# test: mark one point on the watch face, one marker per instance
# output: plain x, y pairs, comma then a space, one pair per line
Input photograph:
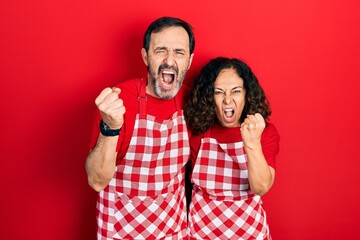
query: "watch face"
106, 127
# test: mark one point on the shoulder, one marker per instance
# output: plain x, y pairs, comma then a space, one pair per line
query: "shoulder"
130, 85
270, 143
270, 139
183, 94
129, 91
270, 130
195, 141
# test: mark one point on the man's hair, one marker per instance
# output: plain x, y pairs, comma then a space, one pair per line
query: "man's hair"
200, 109
164, 22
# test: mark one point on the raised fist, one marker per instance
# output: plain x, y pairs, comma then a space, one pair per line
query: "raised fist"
111, 107
251, 130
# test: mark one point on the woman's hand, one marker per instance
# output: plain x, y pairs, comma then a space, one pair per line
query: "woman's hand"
251, 130
261, 175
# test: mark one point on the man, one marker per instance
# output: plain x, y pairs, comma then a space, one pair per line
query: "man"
140, 142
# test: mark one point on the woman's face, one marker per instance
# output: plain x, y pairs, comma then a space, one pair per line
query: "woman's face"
229, 97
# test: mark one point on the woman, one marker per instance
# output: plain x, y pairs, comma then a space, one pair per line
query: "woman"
233, 151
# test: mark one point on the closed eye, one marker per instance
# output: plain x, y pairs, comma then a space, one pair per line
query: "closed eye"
180, 52
236, 91
160, 50
217, 92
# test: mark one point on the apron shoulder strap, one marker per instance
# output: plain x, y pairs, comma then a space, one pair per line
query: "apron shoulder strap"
142, 98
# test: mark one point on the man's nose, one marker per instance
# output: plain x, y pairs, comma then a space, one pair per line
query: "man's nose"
170, 59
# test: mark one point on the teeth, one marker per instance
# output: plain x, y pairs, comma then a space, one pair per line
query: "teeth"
229, 113
168, 77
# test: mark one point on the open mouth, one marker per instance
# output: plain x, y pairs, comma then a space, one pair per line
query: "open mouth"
168, 79
229, 113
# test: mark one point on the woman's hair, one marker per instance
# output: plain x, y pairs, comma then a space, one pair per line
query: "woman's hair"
200, 108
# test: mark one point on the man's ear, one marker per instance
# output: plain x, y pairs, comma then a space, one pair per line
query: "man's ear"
191, 58
144, 56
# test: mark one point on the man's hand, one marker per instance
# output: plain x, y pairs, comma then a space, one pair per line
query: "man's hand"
251, 130
111, 107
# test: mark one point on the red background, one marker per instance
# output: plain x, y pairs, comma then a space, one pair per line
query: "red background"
55, 57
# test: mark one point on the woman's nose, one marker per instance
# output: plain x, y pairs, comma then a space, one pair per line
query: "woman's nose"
227, 99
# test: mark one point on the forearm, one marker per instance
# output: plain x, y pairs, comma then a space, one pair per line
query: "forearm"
261, 175
101, 161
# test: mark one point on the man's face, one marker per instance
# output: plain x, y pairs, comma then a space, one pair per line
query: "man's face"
168, 60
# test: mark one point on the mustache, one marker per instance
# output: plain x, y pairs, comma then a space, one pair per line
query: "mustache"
166, 66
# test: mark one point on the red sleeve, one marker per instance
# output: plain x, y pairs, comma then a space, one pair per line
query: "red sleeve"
270, 144
95, 129
129, 96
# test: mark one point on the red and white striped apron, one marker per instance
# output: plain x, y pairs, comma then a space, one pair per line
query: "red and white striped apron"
146, 197
223, 206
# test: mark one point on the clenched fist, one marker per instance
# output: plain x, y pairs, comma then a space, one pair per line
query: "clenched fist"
251, 130
111, 107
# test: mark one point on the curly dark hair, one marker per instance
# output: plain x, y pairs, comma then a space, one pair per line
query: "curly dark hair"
200, 108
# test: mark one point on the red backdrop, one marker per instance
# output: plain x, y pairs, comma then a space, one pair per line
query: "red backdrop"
55, 57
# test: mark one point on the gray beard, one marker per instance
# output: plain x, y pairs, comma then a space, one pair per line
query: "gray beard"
159, 92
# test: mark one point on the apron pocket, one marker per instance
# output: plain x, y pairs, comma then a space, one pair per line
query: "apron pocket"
209, 218
146, 217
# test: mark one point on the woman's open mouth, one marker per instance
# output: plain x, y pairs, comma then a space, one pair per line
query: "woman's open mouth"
229, 113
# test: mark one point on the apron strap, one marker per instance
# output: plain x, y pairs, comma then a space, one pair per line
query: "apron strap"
176, 106
142, 98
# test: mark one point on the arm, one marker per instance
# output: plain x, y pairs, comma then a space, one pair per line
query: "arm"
261, 175
101, 160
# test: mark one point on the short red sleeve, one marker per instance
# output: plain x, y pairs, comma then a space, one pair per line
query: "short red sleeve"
270, 144
95, 129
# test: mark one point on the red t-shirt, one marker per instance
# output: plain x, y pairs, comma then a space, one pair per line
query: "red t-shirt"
160, 108
269, 141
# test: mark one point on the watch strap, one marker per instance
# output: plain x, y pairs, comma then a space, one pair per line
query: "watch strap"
107, 131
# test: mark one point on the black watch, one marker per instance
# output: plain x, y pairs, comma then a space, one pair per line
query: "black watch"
106, 131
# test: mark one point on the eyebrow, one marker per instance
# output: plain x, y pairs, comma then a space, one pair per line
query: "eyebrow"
176, 49
231, 89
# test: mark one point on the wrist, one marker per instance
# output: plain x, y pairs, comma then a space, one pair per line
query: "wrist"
253, 146
107, 131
